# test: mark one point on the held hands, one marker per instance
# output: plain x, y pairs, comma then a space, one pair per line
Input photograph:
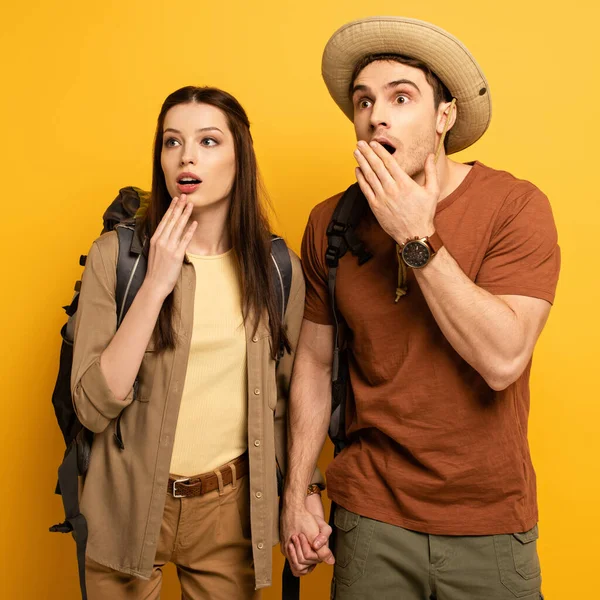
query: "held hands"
403, 208
168, 246
298, 526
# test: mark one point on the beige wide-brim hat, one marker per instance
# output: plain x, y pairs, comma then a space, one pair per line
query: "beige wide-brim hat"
446, 56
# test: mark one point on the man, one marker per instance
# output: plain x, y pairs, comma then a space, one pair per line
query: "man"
435, 493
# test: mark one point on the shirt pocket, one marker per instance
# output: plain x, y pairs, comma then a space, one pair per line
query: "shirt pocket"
145, 379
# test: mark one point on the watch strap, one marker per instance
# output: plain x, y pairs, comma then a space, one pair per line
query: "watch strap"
435, 242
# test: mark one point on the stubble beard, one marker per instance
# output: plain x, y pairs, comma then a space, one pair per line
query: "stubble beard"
412, 160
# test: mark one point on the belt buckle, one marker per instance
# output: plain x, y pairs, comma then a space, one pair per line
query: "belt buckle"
182, 480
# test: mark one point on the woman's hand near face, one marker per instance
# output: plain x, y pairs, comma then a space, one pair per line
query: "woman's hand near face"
168, 246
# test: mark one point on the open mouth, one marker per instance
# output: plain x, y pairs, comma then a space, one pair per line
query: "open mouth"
389, 148
188, 181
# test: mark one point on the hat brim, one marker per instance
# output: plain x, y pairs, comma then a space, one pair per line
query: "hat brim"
446, 56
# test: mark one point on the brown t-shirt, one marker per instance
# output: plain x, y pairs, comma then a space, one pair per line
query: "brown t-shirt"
434, 448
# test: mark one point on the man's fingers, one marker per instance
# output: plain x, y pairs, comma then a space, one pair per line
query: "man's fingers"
367, 171
326, 555
320, 541
387, 169
431, 177
399, 175
310, 556
366, 189
324, 533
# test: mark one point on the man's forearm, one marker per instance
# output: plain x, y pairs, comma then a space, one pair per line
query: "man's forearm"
309, 413
481, 327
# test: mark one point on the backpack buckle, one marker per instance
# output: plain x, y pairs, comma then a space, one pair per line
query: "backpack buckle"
336, 228
332, 257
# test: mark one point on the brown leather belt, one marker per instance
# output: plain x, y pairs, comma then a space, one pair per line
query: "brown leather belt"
187, 487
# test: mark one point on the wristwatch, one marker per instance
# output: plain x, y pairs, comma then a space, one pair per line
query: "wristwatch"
417, 252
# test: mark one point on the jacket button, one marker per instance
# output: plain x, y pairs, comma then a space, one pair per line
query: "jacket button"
259, 494
257, 392
255, 339
257, 443
260, 545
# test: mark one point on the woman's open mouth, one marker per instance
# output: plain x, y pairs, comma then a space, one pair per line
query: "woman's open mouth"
188, 183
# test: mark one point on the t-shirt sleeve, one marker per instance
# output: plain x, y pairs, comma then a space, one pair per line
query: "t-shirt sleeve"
523, 257
317, 307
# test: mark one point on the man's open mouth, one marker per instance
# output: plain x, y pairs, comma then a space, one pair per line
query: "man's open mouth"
383, 141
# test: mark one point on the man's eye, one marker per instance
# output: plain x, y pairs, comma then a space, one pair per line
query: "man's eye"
401, 99
364, 103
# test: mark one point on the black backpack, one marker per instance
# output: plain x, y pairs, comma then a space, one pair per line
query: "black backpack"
341, 236
131, 270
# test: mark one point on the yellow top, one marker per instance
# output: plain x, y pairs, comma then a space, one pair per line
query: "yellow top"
212, 422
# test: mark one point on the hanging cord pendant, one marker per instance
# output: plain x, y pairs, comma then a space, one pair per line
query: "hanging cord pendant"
402, 288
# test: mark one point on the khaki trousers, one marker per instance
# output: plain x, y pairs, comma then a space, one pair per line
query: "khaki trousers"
208, 539
378, 561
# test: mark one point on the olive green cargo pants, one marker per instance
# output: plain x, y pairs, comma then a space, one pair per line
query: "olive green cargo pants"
377, 561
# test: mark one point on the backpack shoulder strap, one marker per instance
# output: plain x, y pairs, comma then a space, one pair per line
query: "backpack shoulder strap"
341, 236
131, 268
282, 278
282, 272
341, 231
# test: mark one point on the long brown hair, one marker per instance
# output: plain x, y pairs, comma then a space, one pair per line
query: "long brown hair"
247, 221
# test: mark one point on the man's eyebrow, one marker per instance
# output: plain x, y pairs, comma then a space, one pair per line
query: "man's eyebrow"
360, 88
171, 130
391, 84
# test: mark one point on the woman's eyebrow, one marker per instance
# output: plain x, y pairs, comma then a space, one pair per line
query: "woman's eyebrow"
171, 130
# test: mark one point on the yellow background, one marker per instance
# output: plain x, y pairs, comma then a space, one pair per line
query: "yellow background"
82, 84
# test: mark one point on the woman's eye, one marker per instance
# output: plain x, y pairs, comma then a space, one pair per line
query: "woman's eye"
171, 142
209, 142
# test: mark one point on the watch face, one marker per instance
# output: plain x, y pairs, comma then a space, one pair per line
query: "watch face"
416, 254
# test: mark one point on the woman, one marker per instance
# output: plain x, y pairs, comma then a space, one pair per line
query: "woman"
187, 384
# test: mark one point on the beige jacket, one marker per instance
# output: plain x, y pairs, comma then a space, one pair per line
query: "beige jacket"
124, 491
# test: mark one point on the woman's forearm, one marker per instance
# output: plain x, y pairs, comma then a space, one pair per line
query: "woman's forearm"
121, 360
